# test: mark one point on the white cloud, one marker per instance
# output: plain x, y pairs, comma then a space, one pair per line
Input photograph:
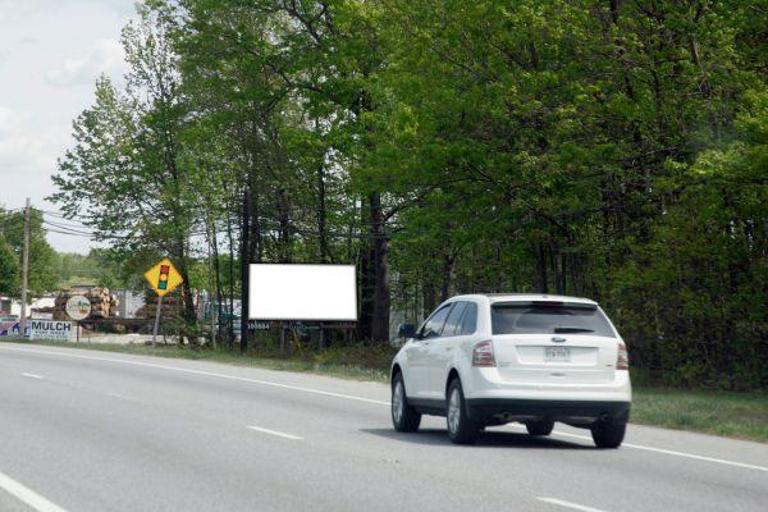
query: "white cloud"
7, 121
106, 57
51, 52
16, 146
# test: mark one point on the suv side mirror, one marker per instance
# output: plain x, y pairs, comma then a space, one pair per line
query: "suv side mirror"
406, 331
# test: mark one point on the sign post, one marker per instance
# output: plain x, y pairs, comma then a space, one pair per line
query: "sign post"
163, 278
157, 319
78, 308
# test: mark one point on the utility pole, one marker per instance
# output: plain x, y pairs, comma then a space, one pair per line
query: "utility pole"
25, 270
245, 269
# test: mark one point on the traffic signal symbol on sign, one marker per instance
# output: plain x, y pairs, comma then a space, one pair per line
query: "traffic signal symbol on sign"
163, 277
162, 282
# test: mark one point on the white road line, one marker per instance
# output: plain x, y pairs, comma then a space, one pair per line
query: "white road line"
32, 376
122, 397
27, 495
275, 433
568, 504
201, 372
352, 397
666, 452
673, 452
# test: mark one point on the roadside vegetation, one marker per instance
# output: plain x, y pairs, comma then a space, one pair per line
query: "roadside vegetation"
739, 415
613, 150
729, 414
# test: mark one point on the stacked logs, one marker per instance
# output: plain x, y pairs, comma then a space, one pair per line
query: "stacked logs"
172, 306
103, 304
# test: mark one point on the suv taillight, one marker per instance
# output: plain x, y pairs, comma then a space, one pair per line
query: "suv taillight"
622, 359
482, 354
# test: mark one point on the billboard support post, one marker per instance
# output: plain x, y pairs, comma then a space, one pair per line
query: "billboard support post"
244, 270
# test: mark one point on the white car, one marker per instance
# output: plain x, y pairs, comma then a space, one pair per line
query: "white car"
484, 360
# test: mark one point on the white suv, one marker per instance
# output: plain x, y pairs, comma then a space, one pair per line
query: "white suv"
483, 360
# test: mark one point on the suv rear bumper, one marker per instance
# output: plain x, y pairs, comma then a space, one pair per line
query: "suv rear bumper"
484, 409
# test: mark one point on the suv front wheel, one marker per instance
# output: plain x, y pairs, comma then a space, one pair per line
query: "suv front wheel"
461, 429
404, 417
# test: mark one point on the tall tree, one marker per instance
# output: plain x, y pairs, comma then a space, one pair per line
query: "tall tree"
42, 277
123, 177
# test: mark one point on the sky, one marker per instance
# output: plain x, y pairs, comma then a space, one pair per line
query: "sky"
51, 52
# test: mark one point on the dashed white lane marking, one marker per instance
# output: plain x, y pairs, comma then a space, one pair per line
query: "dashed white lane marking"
568, 504
275, 433
356, 398
27, 495
32, 376
122, 397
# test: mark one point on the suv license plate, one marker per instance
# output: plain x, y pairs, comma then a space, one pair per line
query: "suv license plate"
557, 354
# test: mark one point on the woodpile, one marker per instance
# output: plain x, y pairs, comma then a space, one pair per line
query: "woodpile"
103, 304
172, 306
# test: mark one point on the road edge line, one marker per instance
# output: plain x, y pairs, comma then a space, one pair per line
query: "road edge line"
568, 504
27, 495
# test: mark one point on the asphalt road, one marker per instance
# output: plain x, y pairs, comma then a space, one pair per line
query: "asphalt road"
97, 431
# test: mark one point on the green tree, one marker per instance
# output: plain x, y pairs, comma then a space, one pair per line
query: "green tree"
123, 177
9, 270
592, 147
41, 277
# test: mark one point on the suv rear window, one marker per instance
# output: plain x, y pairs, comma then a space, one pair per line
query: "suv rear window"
549, 318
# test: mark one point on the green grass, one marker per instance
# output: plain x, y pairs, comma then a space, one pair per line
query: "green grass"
736, 415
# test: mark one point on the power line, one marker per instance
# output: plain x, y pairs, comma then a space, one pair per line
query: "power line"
90, 236
51, 212
74, 229
58, 215
71, 222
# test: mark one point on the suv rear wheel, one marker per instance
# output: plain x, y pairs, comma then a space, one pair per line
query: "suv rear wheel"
608, 435
540, 428
404, 417
461, 429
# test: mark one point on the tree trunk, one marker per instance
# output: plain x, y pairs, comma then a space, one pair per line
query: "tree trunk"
284, 236
428, 295
217, 278
230, 315
541, 266
255, 250
321, 214
186, 292
366, 277
448, 267
381, 292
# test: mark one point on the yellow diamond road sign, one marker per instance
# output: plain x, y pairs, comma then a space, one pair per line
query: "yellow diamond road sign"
163, 277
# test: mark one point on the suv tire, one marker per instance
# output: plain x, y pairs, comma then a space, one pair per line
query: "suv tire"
404, 417
608, 435
540, 428
461, 429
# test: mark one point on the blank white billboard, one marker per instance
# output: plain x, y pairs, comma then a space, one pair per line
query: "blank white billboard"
302, 292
